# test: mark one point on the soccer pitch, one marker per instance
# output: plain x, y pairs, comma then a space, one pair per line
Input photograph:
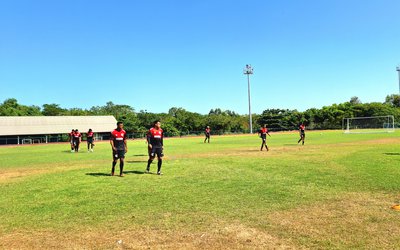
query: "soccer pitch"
336, 191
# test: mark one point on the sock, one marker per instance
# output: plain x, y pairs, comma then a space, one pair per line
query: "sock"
113, 166
159, 163
121, 167
148, 164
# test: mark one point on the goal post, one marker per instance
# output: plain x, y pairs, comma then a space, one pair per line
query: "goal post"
373, 124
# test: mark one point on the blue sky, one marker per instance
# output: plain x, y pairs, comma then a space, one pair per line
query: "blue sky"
154, 55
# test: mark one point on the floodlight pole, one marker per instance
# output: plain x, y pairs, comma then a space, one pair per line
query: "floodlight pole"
398, 70
249, 71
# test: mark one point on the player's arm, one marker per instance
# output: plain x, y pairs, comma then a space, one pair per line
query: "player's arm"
148, 137
162, 139
112, 142
126, 144
268, 134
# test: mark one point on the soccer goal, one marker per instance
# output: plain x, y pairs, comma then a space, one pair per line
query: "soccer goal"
374, 124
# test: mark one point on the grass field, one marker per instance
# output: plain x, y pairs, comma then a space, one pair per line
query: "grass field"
335, 192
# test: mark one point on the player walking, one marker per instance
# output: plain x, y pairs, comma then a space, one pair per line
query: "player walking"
90, 140
71, 140
77, 140
302, 128
207, 134
155, 138
119, 148
263, 132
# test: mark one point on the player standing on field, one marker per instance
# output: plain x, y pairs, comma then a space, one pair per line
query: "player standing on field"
207, 134
155, 138
263, 132
90, 139
71, 140
77, 140
302, 128
119, 148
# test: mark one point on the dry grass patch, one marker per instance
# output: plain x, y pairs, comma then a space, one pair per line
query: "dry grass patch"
354, 220
234, 236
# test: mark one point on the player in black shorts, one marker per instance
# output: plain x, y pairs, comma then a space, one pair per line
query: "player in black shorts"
263, 132
71, 140
90, 140
207, 134
302, 129
77, 140
155, 138
119, 147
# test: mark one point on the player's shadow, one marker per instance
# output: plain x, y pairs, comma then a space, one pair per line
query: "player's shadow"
136, 161
391, 153
134, 172
67, 151
140, 155
98, 174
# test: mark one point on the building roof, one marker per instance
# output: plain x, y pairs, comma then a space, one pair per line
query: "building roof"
46, 125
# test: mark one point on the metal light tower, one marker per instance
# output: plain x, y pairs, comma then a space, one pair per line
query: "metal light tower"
249, 71
398, 70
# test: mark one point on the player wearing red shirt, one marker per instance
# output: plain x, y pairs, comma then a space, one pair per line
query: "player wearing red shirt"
71, 140
90, 140
155, 140
302, 128
77, 137
263, 132
119, 148
207, 134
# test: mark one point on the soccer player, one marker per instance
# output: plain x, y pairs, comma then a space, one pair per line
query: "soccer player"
155, 138
77, 140
207, 134
302, 127
263, 132
71, 140
119, 148
90, 140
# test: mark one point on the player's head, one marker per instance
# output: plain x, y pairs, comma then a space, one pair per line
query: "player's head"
264, 126
73, 130
208, 126
120, 125
90, 130
76, 130
157, 124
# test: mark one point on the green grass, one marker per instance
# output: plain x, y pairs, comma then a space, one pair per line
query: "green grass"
207, 187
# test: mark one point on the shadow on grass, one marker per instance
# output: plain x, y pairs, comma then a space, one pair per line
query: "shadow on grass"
134, 172
98, 174
140, 155
391, 153
136, 161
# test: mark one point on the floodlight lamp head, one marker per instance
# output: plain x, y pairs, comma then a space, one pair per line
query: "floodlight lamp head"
248, 70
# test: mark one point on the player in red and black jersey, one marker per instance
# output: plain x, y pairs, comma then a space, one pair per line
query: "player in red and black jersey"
77, 137
90, 140
119, 147
302, 129
155, 140
207, 134
263, 132
71, 140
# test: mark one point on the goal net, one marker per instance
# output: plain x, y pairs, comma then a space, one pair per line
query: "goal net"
374, 124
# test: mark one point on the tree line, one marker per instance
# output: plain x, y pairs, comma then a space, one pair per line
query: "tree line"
179, 121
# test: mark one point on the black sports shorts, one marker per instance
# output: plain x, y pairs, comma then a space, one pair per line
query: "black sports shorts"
117, 154
156, 151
